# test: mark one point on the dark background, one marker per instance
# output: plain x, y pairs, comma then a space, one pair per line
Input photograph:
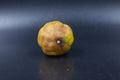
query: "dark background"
95, 54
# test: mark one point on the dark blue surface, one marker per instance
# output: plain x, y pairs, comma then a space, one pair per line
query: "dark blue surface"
95, 54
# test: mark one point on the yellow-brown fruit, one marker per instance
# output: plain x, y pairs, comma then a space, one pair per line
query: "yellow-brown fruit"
55, 38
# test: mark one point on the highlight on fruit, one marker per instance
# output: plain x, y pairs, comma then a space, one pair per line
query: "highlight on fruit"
55, 38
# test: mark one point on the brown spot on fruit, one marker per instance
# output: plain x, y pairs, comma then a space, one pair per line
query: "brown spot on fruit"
60, 42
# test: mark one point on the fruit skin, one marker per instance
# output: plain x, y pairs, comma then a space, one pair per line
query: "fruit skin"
55, 38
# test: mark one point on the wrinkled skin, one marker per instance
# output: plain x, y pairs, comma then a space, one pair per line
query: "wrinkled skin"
55, 38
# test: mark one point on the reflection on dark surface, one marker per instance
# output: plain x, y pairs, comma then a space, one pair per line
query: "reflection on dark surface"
56, 68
